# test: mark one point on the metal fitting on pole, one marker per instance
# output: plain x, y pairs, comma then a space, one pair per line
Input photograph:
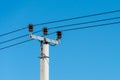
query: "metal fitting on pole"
45, 31
59, 35
30, 27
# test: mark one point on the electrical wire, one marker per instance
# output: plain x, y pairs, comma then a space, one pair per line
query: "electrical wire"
18, 37
62, 20
113, 23
16, 44
14, 39
94, 21
85, 27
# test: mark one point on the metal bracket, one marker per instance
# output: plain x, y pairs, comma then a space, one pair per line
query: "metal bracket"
44, 57
44, 39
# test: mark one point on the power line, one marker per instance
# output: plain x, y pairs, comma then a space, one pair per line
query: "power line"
14, 39
85, 27
91, 26
100, 20
62, 20
18, 37
80, 17
63, 31
4, 34
16, 44
61, 27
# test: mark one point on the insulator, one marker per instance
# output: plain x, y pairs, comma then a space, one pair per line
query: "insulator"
45, 31
30, 27
59, 34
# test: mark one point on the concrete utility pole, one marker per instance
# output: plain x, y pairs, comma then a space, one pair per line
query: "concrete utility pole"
44, 55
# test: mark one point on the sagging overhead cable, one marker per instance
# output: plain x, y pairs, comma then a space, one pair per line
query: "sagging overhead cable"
56, 27
62, 20
93, 26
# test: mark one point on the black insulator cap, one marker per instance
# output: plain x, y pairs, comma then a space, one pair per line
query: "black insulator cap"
30, 27
59, 34
45, 31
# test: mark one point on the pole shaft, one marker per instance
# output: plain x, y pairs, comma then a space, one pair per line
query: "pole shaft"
44, 62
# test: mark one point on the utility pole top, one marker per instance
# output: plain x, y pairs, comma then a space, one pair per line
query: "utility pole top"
44, 48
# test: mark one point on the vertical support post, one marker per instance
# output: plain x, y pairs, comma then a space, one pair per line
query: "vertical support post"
44, 61
44, 55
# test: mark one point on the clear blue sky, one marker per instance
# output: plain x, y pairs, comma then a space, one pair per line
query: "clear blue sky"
89, 54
